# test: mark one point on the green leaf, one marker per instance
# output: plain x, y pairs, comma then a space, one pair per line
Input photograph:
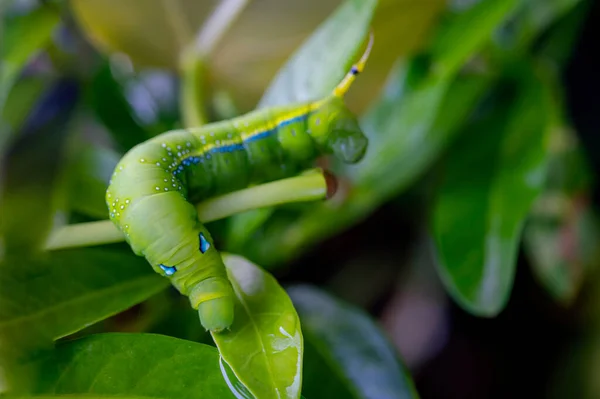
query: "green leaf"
178, 319
106, 97
70, 397
558, 44
31, 192
524, 29
321, 376
132, 365
240, 227
562, 232
59, 293
19, 103
264, 346
234, 384
538, 15
355, 359
336, 44
22, 37
410, 133
562, 245
408, 128
409, 138
89, 172
63, 292
472, 29
488, 185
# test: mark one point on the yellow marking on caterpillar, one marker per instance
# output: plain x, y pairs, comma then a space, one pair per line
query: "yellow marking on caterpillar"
285, 117
302, 110
357, 68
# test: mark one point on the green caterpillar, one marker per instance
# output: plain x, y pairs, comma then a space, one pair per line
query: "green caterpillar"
153, 188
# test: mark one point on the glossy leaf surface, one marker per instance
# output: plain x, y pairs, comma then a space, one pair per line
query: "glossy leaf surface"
489, 183
355, 359
63, 292
336, 43
132, 366
264, 347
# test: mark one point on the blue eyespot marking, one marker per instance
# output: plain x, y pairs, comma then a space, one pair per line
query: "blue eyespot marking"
169, 270
204, 244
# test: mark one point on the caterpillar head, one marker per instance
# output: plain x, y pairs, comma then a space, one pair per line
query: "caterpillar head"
341, 134
346, 139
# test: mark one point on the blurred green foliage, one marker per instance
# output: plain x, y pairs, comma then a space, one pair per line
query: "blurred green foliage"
463, 108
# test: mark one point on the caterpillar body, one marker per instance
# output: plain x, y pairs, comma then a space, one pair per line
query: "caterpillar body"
151, 194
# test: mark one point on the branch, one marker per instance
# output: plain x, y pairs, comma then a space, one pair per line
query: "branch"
311, 186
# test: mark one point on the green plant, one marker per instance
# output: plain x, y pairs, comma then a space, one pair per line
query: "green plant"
470, 120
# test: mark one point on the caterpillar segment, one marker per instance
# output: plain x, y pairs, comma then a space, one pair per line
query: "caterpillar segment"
153, 188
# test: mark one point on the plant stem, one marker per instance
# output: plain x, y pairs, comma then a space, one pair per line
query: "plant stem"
310, 186
193, 109
178, 22
83, 235
307, 187
217, 25
193, 61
